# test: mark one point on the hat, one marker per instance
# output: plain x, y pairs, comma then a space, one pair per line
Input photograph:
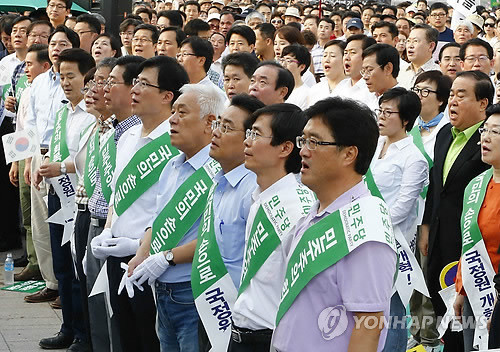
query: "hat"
411, 8
292, 11
354, 22
220, 2
245, 13
213, 16
204, 1
476, 20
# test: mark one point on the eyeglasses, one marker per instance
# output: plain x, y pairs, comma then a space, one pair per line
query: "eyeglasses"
254, 134
85, 90
56, 6
489, 25
41, 36
111, 83
484, 131
441, 14
482, 59
288, 61
311, 143
141, 40
183, 55
143, 84
423, 92
223, 128
386, 113
276, 21
83, 32
128, 34
368, 71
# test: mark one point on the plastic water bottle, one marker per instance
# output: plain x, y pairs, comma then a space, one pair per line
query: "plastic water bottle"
9, 270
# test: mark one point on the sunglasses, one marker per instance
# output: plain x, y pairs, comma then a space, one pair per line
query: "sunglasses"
489, 25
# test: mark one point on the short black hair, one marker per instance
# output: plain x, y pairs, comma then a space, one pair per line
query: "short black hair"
201, 48
493, 109
439, 5
84, 60
192, 2
408, 102
154, 31
313, 17
366, 41
391, 26
287, 122
247, 61
243, 30
42, 53
300, 53
39, 23
446, 46
6, 23
114, 41
351, 123
171, 75
131, 67
443, 84
179, 34
20, 19
285, 77
267, 30
394, 9
483, 87
352, 14
174, 17
73, 38
92, 21
340, 43
145, 10
431, 34
129, 22
196, 26
476, 42
327, 20
68, 3
384, 53
248, 103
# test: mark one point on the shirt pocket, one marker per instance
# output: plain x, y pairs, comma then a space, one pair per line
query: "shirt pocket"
232, 242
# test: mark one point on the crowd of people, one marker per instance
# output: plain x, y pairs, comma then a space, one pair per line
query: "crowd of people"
204, 181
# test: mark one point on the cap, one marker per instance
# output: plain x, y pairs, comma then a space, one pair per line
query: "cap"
476, 20
204, 1
354, 22
292, 11
411, 8
213, 16
220, 2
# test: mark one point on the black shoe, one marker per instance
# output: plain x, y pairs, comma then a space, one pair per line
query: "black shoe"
57, 342
21, 262
79, 346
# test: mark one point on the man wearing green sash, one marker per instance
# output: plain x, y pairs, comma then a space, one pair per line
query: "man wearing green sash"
341, 258
118, 101
71, 120
279, 201
223, 240
171, 236
141, 154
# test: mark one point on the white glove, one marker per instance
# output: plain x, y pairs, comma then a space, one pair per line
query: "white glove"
120, 246
150, 269
97, 244
126, 282
84, 262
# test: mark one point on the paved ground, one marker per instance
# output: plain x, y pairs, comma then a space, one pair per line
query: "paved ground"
23, 324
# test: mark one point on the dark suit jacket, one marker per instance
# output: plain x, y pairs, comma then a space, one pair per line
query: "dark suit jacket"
443, 207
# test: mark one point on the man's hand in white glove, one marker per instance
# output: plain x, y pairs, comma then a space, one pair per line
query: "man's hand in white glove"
84, 262
125, 282
150, 269
120, 246
97, 244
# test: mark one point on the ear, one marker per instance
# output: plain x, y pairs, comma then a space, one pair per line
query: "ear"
46, 66
462, 65
167, 98
269, 42
201, 60
433, 45
483, 104
350, 155
114, 52
286, 149
283, 91
301, 67
388, 69
492, 62
252, 46
208, 123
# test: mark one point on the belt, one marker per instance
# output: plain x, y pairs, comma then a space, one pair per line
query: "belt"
44, 151
96, 222
241, 335
82, 207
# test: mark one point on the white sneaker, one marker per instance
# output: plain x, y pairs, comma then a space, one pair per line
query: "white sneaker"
412, 343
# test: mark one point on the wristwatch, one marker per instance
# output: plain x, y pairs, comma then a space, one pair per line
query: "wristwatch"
169, 256
63, 168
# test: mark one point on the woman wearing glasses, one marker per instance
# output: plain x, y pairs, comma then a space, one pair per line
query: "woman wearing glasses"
400, 172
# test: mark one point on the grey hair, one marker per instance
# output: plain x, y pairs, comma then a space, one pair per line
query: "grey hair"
108, 62
255, 14
465, 23
211, 101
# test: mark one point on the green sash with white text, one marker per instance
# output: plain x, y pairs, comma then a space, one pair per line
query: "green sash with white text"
477, 270
21, 85
331, 239
90, 173
142, 171
213, 289
58, 147
183, 209
276, 216
417, 140
107, 162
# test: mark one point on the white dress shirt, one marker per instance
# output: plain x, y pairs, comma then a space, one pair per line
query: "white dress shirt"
408, 75
400, 176
134, 221
299, 97
257, 306
358, 92
308, 78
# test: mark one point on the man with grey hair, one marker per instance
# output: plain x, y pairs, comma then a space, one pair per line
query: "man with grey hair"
464, 30
173, 229
254, 18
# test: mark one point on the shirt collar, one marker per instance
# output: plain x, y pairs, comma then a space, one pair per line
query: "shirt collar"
275, 187
352, 194
196, 161
159, 130
234, 176
468, 132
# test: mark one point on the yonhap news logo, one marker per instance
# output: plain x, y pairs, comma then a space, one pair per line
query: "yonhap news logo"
332, 322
